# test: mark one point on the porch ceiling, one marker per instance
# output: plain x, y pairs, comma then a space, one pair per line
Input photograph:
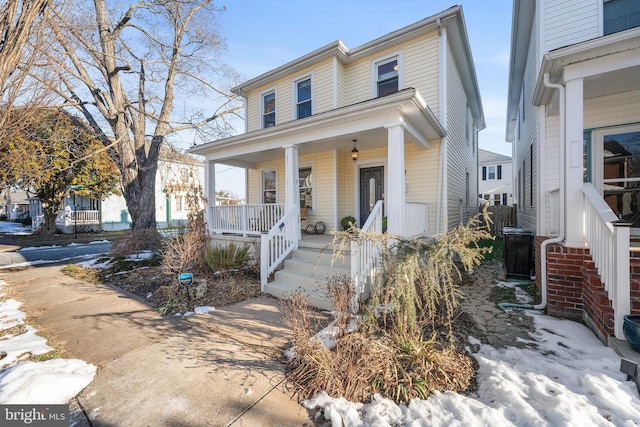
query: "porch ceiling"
333, 130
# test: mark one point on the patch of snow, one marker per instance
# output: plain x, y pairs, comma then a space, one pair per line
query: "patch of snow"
53, 381
571, 378
203, 310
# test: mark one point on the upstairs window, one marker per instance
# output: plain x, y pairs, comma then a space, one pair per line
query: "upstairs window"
269, 109
387, 76
620, 15
303, 98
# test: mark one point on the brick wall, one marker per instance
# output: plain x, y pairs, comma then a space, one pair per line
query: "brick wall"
574, 289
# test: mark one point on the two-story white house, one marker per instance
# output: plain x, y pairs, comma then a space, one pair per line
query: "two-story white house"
574, 121
494, 178
386, 129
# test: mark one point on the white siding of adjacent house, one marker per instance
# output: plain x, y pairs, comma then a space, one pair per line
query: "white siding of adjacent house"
525, 168
570, 21
461, 160
550, 173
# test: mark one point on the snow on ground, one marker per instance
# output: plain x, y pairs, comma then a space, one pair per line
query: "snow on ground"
571, 378
53, 381
14, 228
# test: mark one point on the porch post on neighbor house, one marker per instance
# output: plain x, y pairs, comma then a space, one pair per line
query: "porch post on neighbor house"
395, 192
210, 191
291, 181
574, 233
620, 294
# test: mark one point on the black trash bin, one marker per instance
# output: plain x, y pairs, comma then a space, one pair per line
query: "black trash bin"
518, 252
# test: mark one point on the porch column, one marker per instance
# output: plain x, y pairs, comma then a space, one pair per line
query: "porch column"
395, 192
210, 190
573, 220
291, 180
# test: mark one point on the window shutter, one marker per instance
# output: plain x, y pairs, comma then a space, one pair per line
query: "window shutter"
484, 173
499, 171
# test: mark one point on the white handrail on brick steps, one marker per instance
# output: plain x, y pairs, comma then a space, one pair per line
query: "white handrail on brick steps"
608, 241
365, 257
244, 219
281, 240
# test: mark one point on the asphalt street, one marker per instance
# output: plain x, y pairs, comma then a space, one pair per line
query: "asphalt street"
72, 252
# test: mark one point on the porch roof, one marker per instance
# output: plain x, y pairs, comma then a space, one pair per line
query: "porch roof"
618, 52
332, 130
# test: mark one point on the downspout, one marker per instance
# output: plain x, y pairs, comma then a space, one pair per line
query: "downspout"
560, 237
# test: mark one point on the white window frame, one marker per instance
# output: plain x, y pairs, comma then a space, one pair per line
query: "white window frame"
381, 60
308, 165
262, 113
294, 89
495, 172
597, 157
263, 190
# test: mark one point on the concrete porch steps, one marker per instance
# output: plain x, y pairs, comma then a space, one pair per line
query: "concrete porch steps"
309, 270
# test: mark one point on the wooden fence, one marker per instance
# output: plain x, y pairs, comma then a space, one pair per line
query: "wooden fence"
502, 216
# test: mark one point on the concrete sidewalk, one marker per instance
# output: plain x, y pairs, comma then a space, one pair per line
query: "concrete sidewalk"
215, 369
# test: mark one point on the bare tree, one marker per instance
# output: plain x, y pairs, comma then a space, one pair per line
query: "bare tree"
19, 20
126, 70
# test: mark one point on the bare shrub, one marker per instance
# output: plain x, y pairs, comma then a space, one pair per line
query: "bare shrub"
405, 346
136, 241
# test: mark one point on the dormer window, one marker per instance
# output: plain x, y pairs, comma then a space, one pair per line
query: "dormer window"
303, 98
269, 109
620, 15
387, 76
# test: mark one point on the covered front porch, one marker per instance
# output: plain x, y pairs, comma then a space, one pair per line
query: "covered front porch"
374, 160
594, 90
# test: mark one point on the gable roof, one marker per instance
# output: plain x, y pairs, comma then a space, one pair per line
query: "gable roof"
485, 156
452, 18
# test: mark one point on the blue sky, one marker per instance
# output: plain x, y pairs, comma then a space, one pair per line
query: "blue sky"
262, 35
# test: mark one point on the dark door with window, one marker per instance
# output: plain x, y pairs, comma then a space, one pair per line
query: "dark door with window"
371, 190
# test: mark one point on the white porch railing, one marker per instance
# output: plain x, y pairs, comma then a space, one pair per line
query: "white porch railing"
365, 257
244, 219
85, 217
608, 240
275, 245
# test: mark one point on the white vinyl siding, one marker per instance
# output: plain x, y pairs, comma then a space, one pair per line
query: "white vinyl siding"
571, 21
423, 166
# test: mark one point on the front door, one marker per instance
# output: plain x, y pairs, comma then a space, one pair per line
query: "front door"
371, 190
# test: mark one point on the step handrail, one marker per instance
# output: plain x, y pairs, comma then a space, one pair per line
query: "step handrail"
278, 243
365, 257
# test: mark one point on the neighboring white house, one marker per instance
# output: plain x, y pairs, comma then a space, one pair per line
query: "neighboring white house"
494, 178
573, 118
177, 173
387, 129
14, 204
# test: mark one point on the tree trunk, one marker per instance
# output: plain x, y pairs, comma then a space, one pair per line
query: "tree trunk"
49, 226
139, 193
